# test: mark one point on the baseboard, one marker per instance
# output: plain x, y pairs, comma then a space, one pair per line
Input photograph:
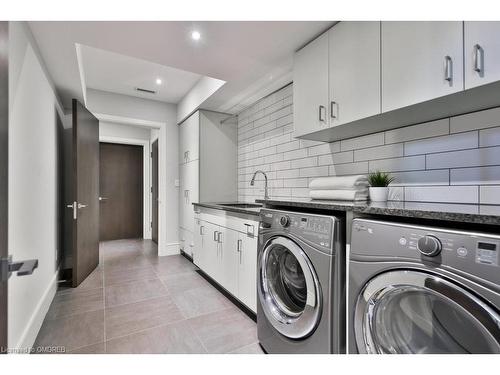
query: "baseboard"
28, 337
170, 249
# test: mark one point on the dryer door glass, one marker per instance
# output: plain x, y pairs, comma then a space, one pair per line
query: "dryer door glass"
416, 312
289, 290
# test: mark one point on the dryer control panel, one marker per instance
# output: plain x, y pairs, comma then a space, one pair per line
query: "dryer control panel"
317, 230
474, 253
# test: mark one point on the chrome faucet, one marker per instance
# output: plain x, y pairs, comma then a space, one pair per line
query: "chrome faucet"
252, 183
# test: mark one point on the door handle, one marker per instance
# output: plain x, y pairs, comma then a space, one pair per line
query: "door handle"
102, 199
448, 69
321, 113
81, 205
22, 268
478, 58
74, 207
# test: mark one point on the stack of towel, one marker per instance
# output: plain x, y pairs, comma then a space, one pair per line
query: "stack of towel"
346, 188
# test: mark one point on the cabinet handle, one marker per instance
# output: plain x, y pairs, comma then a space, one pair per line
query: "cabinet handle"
250, 229
478, 58
187, 155
215, 236
239, 248
333, 109
202, 228
448, 69
321, 114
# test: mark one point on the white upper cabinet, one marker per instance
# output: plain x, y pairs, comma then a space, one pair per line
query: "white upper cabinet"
354, 71
420, 61
482, 53
189, 139
310, 87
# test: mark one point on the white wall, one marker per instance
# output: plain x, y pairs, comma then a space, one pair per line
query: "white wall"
450, 160
116, 130
129, 107
200, 92
33, 226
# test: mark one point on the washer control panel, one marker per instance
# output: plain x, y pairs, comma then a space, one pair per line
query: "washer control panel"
315, 229
474, 253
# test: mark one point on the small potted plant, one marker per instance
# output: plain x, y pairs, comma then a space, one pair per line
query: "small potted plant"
379, 182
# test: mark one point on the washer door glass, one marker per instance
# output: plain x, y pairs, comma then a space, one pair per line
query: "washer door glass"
415, 312
289, 290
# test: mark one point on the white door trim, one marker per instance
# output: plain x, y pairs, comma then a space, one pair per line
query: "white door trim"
146, 179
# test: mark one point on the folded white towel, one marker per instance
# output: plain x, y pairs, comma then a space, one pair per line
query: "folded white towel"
339, 183
340, 195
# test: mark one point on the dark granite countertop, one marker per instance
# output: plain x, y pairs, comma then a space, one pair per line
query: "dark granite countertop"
237, 207
465, 213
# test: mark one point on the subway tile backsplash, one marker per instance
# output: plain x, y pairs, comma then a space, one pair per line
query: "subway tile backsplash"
453, 160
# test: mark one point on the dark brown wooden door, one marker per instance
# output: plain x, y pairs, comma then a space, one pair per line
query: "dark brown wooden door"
154, 191
121, 191
86, 192
4, 154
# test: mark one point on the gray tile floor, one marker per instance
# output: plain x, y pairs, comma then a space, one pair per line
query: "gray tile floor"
137, 302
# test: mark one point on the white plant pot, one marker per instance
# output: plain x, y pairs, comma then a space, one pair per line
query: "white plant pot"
379, 194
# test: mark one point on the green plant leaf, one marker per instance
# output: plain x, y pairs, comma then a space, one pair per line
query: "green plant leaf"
380, 179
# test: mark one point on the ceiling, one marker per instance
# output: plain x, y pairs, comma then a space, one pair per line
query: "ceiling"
109, 71
249, 56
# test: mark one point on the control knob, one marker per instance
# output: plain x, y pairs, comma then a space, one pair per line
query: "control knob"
429, 246
285, 221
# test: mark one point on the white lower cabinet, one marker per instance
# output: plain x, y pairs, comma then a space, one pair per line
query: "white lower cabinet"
247, 270
229, 257
207, 257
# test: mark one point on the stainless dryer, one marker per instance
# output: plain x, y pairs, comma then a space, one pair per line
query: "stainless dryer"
300, 287
420, 289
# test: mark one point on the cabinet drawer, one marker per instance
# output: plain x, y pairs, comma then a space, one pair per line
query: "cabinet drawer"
247, 226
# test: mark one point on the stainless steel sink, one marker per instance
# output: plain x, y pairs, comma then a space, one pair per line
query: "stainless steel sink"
241, 205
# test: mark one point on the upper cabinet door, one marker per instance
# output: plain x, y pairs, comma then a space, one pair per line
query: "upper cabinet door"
189, 139
482, 53
354, 71
420, 61
310, 87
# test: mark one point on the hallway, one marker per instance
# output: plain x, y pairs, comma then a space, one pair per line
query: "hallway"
136, 302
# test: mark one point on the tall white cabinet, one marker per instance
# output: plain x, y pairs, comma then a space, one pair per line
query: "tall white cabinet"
206, 169
421, 60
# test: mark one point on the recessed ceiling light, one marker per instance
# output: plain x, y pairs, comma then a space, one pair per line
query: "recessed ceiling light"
158, 81
195, 35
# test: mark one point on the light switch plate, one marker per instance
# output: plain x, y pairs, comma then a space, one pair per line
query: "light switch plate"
177, 183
